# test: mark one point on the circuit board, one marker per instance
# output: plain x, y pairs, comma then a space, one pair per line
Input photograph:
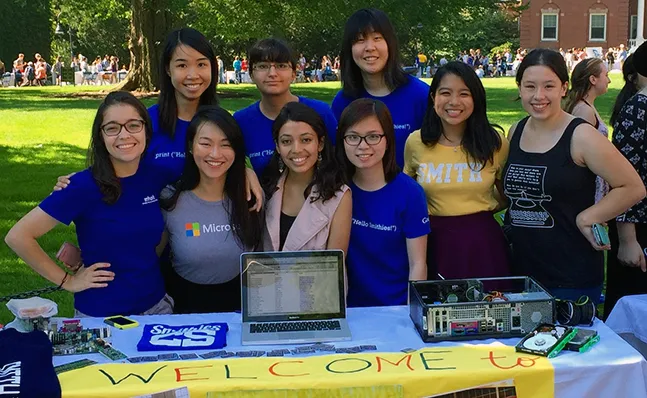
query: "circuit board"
109, 352
71, 339
81, 363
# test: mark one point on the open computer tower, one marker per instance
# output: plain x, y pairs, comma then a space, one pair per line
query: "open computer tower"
479, 308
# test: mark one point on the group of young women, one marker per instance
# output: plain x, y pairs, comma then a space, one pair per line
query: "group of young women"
172, 182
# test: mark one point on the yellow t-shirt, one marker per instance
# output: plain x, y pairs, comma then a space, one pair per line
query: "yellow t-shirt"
452, 188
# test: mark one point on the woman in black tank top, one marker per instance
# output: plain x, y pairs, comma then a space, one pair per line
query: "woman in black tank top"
549, 180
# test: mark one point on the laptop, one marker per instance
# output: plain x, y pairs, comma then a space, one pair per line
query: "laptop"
293, 297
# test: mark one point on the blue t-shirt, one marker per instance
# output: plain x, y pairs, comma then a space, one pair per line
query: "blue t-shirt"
257, 130
124, 234
407, 104
159, 337
377, 261
165, 151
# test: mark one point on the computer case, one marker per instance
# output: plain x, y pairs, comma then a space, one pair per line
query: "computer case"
479, 308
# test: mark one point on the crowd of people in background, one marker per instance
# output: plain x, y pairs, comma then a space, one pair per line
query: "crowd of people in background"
506, 63
39, 72
28, 72
614, 57
317, 69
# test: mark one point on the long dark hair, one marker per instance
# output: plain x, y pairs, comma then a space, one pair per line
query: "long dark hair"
246, 224
630, 88
354, 113
166, 101
581, 81
328, 178
481, 139
363, 22
98, 159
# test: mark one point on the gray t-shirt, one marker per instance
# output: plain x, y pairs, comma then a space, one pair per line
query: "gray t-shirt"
204, 248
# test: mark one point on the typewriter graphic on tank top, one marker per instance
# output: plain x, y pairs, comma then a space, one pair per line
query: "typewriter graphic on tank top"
524, 185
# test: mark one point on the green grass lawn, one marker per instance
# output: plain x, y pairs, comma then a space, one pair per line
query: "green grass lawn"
44, 133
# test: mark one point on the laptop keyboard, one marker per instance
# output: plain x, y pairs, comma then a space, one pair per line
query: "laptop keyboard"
272, 327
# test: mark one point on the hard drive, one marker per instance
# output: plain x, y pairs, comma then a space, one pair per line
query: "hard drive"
546, 340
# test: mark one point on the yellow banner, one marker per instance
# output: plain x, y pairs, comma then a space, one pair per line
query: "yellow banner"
426, 372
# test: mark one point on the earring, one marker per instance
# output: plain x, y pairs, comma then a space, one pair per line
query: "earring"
319, 158
281, 165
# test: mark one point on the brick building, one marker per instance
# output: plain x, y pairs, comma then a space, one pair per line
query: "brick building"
582, 23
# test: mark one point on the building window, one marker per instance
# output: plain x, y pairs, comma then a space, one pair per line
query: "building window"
549, 26
633, 27
598, 27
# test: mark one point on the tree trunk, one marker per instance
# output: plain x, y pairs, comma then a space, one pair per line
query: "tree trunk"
149, 25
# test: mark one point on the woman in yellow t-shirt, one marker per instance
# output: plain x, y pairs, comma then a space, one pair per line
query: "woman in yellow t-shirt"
458, 157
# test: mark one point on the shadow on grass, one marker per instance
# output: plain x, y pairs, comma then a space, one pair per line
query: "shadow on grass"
30, 100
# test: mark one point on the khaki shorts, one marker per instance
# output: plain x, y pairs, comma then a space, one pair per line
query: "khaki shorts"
163, 307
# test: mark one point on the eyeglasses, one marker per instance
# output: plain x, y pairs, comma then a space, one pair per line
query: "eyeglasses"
355, 140
266, 66
133, 126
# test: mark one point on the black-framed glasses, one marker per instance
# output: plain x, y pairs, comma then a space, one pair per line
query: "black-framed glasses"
355, 140
133, 126
266, 66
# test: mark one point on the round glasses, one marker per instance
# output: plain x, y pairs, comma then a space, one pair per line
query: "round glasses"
355, 140
266, 66
132, 126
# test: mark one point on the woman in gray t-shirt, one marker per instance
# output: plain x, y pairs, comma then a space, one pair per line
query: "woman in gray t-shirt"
208, 222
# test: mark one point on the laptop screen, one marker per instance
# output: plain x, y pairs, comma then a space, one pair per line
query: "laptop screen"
292, 285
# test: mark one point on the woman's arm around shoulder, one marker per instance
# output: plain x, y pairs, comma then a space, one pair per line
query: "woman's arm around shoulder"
339, 235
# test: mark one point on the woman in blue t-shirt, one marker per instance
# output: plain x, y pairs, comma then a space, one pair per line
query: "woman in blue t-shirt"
388, 241
114, 206
370, 68
209, 202
188, 77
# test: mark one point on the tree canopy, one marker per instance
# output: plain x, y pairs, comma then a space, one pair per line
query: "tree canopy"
106, 27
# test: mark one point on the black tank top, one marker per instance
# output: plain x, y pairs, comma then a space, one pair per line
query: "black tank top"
546, 192
284, 227
597, 121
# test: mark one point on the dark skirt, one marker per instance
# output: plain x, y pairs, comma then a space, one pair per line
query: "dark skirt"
622, 280
470, 246
194, 298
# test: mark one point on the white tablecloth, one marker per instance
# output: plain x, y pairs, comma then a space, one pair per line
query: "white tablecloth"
629, 319
612, 368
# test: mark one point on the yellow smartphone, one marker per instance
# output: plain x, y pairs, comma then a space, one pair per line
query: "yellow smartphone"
121, 322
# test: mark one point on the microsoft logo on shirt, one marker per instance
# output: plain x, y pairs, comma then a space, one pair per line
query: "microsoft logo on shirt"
192, 229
